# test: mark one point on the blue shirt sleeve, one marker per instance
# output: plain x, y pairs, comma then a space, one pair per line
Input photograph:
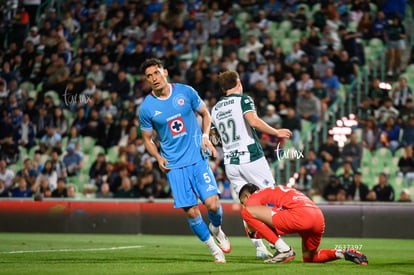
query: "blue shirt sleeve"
195, 99
144, 120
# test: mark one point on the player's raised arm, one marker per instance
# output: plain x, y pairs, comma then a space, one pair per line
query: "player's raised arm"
206, 124
257, 123
152, 149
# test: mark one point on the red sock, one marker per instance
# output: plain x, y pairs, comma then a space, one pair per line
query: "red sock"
260, 227
321, 256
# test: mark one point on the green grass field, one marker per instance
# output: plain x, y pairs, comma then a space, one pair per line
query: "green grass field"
154, 254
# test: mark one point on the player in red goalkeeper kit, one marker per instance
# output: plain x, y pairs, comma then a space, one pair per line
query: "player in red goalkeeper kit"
281, 210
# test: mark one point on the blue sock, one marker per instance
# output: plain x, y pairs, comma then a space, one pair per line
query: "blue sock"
216, 218
199, 227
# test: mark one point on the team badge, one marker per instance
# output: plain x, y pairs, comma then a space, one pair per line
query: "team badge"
180, 101
176, 126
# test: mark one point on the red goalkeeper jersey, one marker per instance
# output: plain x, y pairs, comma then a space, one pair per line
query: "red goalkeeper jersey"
281, 197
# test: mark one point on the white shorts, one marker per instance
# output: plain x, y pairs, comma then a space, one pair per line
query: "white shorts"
256, 172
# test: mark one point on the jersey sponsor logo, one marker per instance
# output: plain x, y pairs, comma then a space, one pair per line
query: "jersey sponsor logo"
157, 113
211, 188
176, 126
223, 115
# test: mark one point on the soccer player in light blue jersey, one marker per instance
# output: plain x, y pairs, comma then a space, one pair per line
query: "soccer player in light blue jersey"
169, 110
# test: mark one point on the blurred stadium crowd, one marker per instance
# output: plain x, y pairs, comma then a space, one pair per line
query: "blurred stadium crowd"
70, 88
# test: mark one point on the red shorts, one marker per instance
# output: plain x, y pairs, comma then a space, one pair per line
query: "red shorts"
308, 222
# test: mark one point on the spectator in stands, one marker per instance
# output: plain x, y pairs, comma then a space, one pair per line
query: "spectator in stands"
57, 164
80, 121
406, 112
345, 178
408, 132
352, 152
25, 133
329, 152
394, 9
4, 192
252, 45
73, 161
401, 93
321, 180
308, 107
320, 91
71, 191
91, 128
108, 107
344, 68
379, 25
52, 139
383, 191
104, 192
6, 175
126, 190
58, 74
27, 172
292, 122
60, 191
352, 45
9, 150
60, 122
370, 134
300, 21
98, 170
331, 82
312, 164
271, 117
365, 25
122, 86
395, 35
330, 192
389, 135
358, 191
149, 180
405, 196
305, 83
377, 94
22, 190
46, 180
294, 55
107, 132
386, 111
406, 165
321, 66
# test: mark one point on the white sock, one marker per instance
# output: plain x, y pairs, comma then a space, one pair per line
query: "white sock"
215, 230
210, 243
258, 243
339, 254
281, 246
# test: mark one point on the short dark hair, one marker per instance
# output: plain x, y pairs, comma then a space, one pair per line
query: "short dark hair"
249, 187
151, 62
228, 80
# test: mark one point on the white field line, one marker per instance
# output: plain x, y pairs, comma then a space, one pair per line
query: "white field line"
72, 250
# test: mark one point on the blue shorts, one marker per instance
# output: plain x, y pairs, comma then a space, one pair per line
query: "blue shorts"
192, 182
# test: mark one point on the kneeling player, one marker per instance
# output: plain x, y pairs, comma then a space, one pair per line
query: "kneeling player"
292, 212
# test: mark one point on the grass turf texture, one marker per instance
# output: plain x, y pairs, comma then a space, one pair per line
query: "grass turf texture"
182, 255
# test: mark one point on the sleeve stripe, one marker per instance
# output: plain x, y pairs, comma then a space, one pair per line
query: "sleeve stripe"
249, 111
146, 129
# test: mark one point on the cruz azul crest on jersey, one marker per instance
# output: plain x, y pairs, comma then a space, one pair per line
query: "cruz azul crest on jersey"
177, 126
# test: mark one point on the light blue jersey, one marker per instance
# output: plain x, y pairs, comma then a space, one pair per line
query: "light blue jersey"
174, 120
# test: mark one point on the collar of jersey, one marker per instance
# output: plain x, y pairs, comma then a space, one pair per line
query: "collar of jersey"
171, 89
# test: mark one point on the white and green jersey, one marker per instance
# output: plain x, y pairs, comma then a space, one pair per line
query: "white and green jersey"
239, 139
